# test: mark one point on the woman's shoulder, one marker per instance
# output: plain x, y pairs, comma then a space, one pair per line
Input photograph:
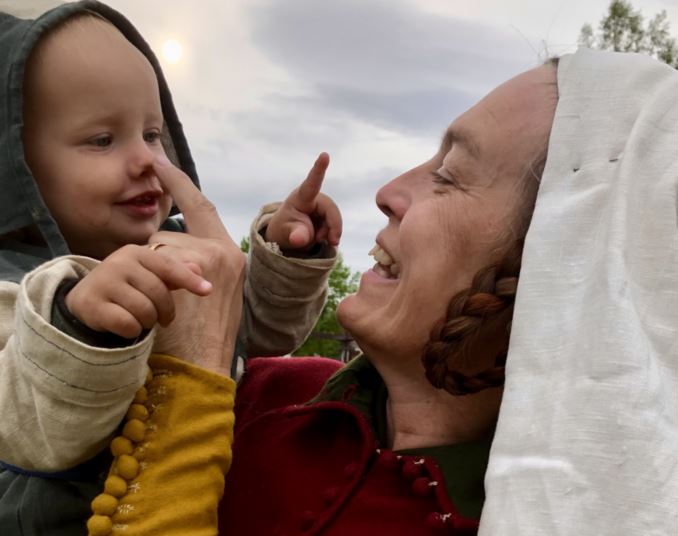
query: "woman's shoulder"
274, 382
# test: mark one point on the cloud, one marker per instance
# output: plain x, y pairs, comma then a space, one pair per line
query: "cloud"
267, 84
417, 111
381, 45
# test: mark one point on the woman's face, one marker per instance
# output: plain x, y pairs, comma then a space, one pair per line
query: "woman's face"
450, 216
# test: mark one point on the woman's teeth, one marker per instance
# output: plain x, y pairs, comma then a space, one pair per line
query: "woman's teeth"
381, 256
386, 266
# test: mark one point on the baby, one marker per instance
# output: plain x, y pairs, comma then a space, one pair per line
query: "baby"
88, 119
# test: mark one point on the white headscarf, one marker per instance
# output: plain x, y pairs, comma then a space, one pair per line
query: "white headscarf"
587, 439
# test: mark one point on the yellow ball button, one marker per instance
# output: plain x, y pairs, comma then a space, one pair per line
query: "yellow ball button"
128, 467
121, 445
134, 430
137, 411
141, 396
104, 504
115, 486
99, 525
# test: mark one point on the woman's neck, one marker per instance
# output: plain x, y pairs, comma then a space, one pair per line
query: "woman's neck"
419, 415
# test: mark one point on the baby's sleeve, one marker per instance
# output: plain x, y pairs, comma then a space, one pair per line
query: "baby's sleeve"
60, 399
284, 296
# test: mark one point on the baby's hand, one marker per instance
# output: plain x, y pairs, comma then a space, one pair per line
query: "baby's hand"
307, 216
131, 291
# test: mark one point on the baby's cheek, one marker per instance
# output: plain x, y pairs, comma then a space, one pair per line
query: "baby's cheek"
165, 207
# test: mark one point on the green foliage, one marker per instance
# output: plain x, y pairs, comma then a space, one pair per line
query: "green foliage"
623, 30
342, 282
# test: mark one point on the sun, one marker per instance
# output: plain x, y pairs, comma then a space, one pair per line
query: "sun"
172, 51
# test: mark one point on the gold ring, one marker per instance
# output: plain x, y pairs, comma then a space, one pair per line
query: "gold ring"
155, 245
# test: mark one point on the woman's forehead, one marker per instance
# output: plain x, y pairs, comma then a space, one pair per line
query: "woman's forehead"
519, 110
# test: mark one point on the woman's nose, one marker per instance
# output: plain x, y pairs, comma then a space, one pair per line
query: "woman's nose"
394, 198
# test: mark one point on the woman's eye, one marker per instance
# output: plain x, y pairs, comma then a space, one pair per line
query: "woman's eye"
444, 178
102, 141
152, 136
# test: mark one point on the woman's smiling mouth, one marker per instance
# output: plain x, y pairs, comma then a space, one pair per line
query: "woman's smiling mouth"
386, 266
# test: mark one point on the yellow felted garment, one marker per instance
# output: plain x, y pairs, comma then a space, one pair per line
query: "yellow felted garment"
170, 460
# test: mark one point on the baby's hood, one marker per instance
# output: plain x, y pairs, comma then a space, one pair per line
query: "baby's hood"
21, 205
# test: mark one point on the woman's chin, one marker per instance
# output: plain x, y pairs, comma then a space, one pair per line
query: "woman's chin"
344, 312
355, 315
369, 310
361, 318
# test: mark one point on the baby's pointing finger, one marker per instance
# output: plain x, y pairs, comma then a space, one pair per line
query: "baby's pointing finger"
310, 188
332, 219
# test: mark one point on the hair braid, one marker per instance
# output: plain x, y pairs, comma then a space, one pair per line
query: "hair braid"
473, 314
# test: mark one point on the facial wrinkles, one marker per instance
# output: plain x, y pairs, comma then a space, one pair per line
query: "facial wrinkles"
419, 268
467, 154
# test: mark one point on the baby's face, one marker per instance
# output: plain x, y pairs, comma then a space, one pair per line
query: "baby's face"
92, 130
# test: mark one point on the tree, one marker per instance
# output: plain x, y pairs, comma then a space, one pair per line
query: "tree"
342, 282
623, 30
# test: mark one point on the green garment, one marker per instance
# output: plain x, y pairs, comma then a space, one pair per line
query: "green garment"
463, 465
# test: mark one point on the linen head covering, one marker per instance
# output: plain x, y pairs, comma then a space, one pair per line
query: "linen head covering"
587, 439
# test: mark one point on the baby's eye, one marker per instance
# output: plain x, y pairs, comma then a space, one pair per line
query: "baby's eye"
152, 136
105, 140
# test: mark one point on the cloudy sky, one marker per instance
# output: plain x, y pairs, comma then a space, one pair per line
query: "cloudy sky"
264, 85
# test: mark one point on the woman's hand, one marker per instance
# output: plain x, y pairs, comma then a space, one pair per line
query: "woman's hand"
204, 329
307, 216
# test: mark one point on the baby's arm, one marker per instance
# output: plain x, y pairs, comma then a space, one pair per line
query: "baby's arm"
61, 398
293, 250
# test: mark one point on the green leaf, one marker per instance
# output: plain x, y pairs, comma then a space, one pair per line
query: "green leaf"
622, 29
342, 282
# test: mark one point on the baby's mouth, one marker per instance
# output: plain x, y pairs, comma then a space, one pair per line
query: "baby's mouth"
144, 200
144, 205
386, 266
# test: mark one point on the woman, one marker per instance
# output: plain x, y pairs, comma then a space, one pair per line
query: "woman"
381, 450
377, 447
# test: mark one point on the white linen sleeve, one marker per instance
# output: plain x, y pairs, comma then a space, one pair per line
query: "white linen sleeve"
60, 399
